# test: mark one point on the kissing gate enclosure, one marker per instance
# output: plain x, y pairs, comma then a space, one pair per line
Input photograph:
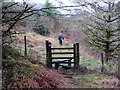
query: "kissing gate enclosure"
62, 58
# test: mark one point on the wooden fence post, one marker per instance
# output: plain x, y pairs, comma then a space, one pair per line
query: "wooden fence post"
50, 54
77, 56
47, 51
75, 59
25, 46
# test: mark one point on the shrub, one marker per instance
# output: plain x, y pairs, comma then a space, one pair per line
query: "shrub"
41, 29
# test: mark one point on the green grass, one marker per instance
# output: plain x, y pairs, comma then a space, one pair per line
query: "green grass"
86, 76
89, 85
90, 64
89, 80
92, 76
112, 67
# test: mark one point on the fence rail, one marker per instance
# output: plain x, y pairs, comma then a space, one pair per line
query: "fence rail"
62, 48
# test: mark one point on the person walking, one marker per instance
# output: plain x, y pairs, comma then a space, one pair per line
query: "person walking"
60, 38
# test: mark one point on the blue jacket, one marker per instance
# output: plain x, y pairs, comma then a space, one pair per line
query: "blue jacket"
60, 37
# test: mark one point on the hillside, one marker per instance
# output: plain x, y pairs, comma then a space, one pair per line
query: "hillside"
30, 71
88, 58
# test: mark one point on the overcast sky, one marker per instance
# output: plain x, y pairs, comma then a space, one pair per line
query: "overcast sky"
65, 3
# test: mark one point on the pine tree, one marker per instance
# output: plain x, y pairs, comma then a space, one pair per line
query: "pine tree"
102, 29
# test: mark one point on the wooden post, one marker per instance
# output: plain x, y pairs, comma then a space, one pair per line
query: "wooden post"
25, 46
47, 53
77, 56
56, 65
102, 61
50, 55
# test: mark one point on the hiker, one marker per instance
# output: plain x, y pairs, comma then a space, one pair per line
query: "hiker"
60, 38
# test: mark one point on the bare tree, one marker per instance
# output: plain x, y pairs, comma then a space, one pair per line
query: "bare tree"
13, 12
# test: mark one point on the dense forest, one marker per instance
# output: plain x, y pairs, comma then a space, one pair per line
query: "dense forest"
90, 29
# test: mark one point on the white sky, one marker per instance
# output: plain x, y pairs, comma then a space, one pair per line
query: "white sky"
65, 3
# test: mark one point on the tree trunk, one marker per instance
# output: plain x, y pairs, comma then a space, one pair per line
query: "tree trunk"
107, 50
106, 57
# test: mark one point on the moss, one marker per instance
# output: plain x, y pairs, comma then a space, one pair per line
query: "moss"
24, 69
6, 80
29, 73
9, 51
36, 66
90, 85
11, 66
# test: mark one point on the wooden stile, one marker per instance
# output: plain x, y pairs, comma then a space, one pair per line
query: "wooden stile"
65, 60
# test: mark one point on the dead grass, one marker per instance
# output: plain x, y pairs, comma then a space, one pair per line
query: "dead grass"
36, 46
